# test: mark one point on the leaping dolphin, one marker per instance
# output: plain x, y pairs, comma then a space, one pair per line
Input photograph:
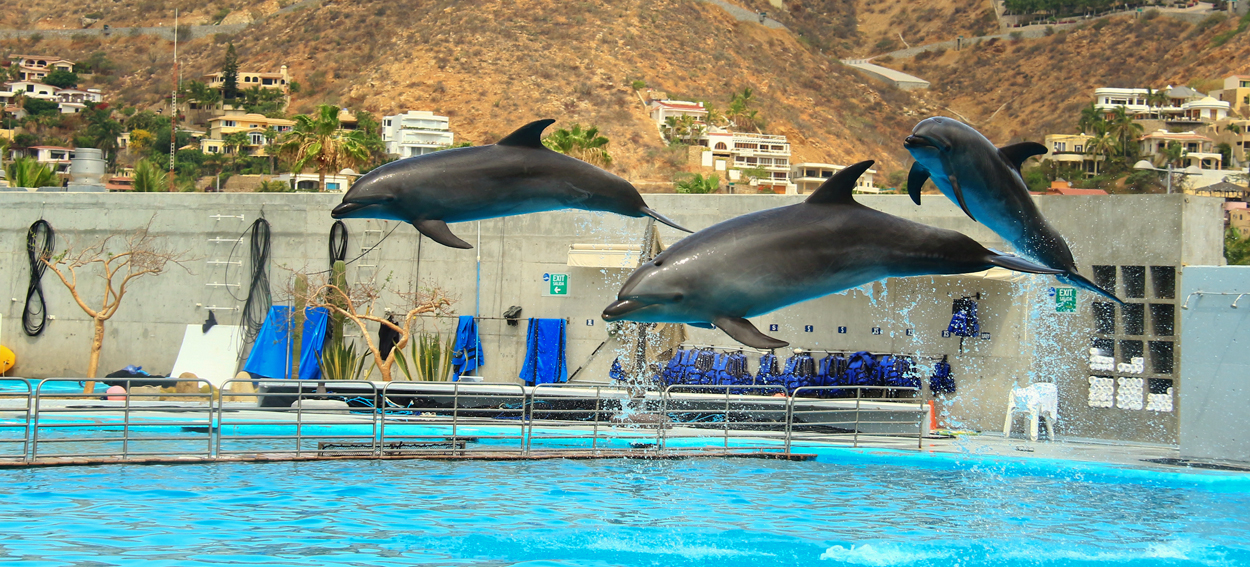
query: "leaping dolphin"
985, 182
515, 176
763, 261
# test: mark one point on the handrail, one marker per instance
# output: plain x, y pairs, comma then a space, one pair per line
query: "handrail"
361, 419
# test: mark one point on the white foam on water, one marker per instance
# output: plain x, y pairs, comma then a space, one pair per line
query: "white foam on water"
880, 554
671, 548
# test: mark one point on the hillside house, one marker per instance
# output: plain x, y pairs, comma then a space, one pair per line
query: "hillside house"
55, 157
32, 89
415, 133
808, 176
1071, 150
742, 150
1199, 149
1184, 106
234, 121
1239, 219
248, 79
662, 110
1236, 93
36, 67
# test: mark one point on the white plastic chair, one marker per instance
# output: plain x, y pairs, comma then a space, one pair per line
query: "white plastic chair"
1038, 400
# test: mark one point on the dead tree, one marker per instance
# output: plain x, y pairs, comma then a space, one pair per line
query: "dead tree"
119, 262
360, 304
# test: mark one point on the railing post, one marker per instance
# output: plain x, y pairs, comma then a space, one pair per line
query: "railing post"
726, 427
455, 414
859, 393
30, 398
299, 418
125, 421
594, 438
789, 420
379, 420
213, 392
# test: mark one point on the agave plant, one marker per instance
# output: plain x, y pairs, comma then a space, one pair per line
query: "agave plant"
430, 358
339, 361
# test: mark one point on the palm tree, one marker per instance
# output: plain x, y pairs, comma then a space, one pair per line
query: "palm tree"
1173, 154
1091, 121
1157, 100
586, 145
674, 126
270, 135
1125, 130
235, 141
714, 116
149, 178
740, 113
26, 172
317, 140
698, 184
1102, 145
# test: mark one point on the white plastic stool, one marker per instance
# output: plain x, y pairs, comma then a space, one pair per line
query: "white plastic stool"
1037, 400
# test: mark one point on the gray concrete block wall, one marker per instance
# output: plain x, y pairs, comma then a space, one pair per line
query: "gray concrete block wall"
1027, 343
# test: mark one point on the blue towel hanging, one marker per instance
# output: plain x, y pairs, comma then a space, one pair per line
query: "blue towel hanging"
544, 353
270, 353
467, 352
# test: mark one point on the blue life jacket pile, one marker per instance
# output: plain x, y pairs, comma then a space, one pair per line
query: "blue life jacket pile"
942, 382
694, 367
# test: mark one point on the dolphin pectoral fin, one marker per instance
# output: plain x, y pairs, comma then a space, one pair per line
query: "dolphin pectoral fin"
959, 196
657, 216
1018, 153
438, 231
1019, 264
702, 325
915, 180
1081, 281
744, 332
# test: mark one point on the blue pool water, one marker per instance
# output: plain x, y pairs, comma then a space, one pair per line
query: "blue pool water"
849, 508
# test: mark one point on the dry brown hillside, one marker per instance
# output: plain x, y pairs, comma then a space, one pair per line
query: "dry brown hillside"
495, 65
1028, 88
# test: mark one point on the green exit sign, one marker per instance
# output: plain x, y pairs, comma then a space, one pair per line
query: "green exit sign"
557, 284
1065, 300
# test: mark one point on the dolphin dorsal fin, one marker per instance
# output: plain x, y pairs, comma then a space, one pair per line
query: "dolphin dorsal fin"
838, 189
527, 136
1017, 153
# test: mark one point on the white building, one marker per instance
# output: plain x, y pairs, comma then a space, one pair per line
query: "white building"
1199, 149
308, 181
1184, 104
415, 133
741, 150
809, 176
36, 67
55, 157
662, 110
31, 89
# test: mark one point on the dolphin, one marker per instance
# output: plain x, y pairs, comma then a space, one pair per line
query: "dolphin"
515, 176
985, 182
763, 261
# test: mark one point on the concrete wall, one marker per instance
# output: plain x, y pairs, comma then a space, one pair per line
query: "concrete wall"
1028, 341
1215, 424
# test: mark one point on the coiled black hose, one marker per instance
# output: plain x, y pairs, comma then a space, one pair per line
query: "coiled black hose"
338, 243
40, 240
259, 298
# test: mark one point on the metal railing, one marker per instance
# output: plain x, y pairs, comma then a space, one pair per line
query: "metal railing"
173, 419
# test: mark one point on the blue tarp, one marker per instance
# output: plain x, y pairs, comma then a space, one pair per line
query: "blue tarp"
544, 353
270, 355
467, 353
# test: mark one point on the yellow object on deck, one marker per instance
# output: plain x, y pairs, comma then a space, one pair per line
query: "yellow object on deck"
7, 359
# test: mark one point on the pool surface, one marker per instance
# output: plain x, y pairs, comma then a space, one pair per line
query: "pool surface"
852, 507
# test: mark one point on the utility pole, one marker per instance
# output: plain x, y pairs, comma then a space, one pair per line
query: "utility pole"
173, 101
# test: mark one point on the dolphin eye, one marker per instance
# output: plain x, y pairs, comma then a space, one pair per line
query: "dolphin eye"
658, 262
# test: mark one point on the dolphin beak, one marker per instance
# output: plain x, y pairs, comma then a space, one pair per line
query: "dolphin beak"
344, 209
917, 142
621, 308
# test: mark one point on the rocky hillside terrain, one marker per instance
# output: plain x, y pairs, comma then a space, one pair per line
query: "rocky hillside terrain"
496, 64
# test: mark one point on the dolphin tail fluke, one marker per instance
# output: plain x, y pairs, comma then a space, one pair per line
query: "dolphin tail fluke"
1018, 264
1081, 281
438, 231
657, 216
744, 332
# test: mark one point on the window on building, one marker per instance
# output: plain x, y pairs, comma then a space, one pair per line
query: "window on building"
213, 149
1078, 149
721, 146
228, 123
781, 175
257, 138
1060, 146
1134, 280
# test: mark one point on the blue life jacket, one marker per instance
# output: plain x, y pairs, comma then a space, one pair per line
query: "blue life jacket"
700, 365
616, 372
767, 375
676, 366
800, 373
964, 318
887, 370
861, 370
832, 373
907, 377
941, 382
